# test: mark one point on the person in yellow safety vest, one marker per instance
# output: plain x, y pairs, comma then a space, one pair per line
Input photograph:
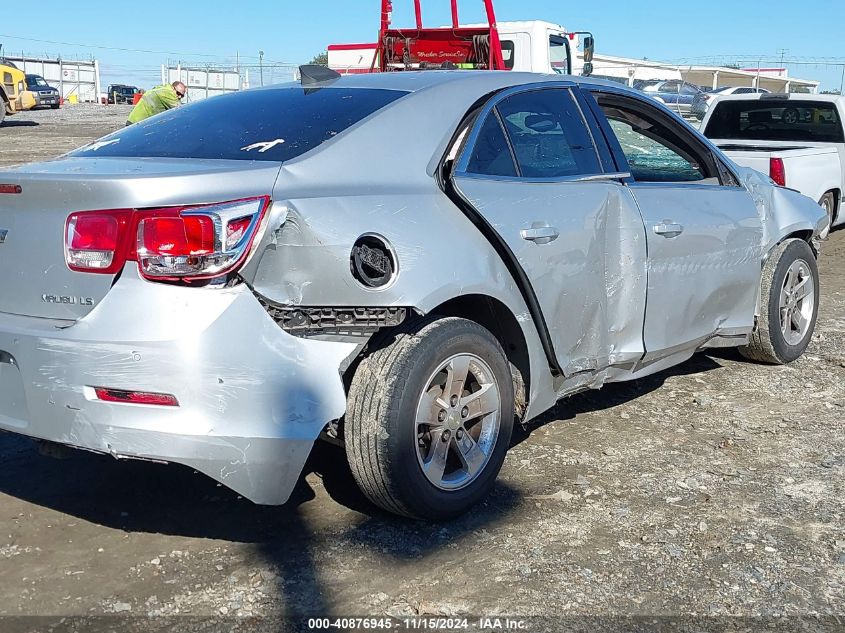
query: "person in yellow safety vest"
157, 100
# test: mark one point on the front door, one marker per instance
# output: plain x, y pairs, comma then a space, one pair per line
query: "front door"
704, 232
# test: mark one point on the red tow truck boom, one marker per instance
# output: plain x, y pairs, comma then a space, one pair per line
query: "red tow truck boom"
425, 47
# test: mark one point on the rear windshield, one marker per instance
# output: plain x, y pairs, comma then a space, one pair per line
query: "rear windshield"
276, 124
776, 120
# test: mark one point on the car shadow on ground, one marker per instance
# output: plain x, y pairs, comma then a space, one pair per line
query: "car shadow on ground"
15, 123
139, 496
616, 394
292, 540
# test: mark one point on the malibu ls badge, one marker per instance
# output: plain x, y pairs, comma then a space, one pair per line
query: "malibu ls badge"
67, 300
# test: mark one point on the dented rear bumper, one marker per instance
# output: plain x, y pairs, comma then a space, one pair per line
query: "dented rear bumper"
252, 398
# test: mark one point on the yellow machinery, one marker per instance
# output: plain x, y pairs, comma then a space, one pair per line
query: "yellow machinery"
13, 92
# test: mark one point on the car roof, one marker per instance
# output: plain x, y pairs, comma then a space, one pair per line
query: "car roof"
480, 82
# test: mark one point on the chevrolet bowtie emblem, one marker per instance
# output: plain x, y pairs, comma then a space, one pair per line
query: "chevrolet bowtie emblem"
3, 234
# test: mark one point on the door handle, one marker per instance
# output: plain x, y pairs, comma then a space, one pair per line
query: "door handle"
540, 234
668, 229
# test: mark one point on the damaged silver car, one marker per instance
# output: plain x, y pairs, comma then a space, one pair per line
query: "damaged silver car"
405, 262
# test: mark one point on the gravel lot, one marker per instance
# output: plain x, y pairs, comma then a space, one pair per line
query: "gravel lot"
713, 491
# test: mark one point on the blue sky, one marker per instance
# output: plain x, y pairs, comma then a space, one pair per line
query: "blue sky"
289, 31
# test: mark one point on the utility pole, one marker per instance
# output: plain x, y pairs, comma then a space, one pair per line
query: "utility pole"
782, 52
261, 65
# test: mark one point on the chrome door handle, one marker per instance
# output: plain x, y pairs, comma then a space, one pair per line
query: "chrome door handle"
540, 234
668, 229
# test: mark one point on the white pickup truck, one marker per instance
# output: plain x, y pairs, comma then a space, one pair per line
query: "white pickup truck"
797, 139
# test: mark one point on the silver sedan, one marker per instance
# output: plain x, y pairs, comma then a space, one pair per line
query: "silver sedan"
405, 263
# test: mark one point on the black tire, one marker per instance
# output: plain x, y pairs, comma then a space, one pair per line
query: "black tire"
2, 112
768, 343
828, 203
381, 428
790, 116
55, 106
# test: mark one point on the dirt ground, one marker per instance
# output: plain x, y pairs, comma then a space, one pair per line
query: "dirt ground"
713, 492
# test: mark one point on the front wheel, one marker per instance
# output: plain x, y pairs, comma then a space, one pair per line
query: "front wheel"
789, 304
429, 418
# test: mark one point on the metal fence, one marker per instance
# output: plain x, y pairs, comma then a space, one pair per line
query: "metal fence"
209, 81
78, 80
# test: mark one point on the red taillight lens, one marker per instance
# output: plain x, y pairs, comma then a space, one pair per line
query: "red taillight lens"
177, 237
198, 242
95, 233
135, 397
10, 189
777, 171
95, 240
201, 242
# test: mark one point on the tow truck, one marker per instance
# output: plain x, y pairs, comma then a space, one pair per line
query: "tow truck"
532, 46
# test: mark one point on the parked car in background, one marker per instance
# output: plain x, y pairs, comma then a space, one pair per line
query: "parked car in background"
45, 94
122, 93
701, 101
677, 95
797, 139
521, 238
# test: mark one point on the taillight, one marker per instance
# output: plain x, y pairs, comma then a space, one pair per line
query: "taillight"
177, 236
198, 242
95, 241
777, 172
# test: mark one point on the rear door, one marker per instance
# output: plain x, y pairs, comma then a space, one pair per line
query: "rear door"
704, 232
531, 170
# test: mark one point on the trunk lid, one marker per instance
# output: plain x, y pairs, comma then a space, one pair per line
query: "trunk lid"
34, 279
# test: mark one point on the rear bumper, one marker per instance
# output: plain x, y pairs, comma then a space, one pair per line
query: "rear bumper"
252, 399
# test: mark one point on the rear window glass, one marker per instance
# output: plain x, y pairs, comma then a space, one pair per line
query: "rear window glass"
776, 120
276, 124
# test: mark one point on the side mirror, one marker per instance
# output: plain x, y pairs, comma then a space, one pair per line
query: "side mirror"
589, 48
588, 69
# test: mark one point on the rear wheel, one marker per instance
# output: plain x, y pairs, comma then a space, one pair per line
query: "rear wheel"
429, 419
789, 302
828, 203
2, 112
